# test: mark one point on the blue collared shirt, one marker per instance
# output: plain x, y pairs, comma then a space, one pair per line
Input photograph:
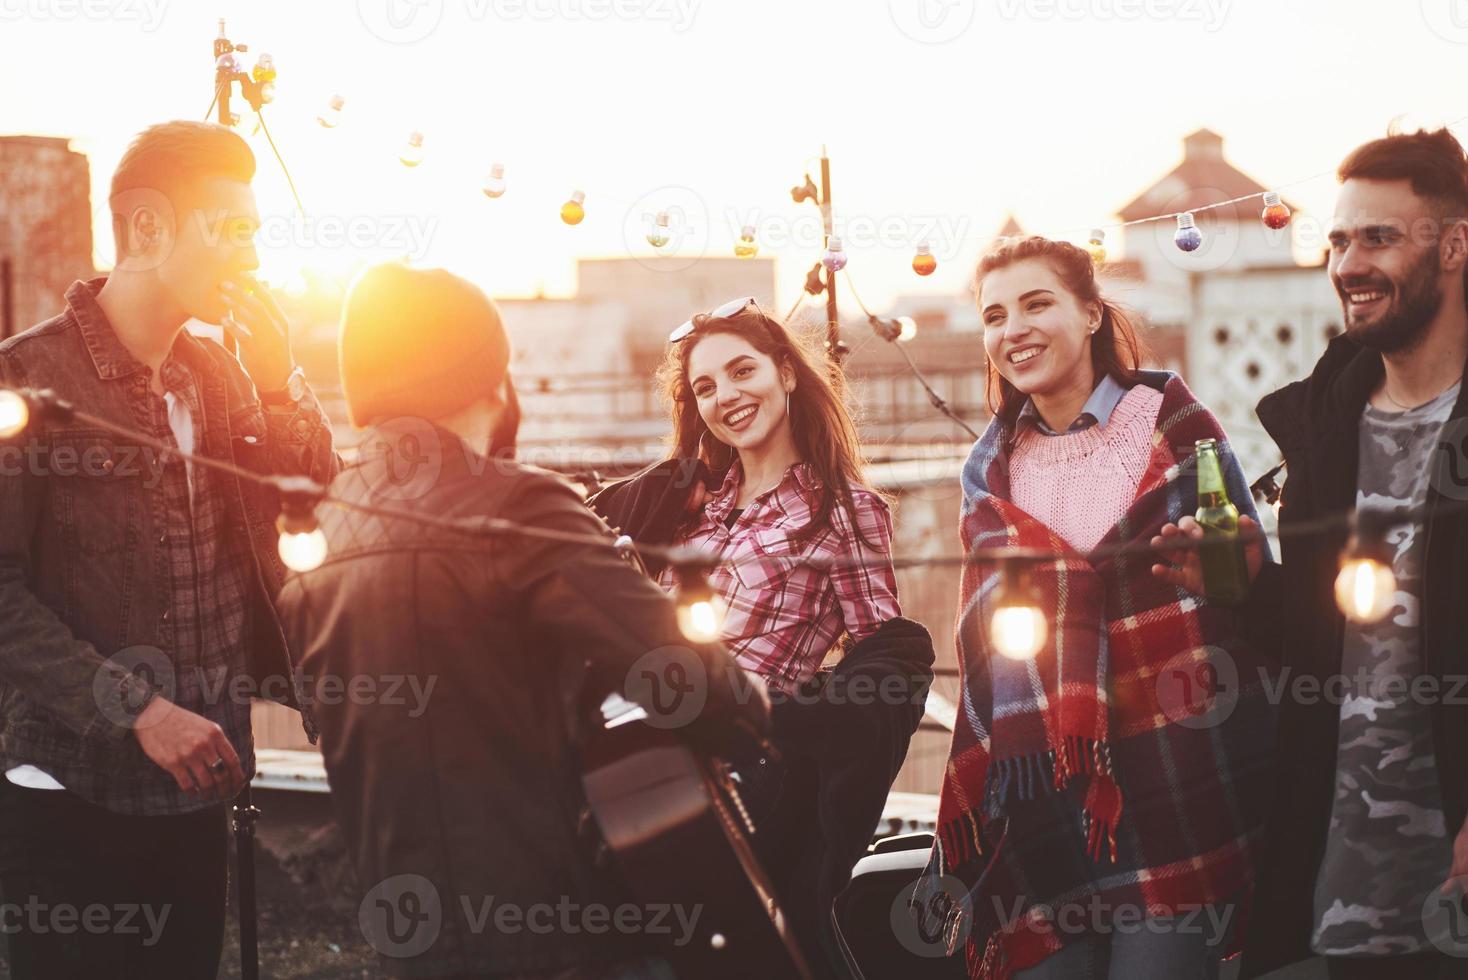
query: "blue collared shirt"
1096, 411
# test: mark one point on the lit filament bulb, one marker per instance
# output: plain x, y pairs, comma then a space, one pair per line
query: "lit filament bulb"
1366, 588
1017, 628
923, 262
15, 414
412, 154
906, 329
1188, 237
302, 542
331, 116
495, 185
1096, 246
573, 210
264, 75
835, 257
1275, 215
746, 247
700, 611
657, 234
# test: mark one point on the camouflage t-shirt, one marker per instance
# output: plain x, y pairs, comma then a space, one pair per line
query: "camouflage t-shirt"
1388, 846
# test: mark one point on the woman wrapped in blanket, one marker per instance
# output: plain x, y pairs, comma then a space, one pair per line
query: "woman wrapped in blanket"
1102, 801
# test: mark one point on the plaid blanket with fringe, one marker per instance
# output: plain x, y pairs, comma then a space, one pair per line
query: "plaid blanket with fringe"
1122, 773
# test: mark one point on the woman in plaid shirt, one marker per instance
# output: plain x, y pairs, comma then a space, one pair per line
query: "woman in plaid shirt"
748, 398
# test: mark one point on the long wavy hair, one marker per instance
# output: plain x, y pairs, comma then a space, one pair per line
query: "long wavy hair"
1116, 348
823, 430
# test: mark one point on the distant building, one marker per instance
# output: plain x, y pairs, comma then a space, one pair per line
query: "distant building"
45, 228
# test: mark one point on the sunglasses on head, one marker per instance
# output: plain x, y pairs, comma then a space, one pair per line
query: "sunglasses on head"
730, 309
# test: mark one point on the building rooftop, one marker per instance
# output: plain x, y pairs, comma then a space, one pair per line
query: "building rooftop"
1203, 177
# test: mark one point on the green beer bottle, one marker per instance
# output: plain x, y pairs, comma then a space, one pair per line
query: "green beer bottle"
1225, 570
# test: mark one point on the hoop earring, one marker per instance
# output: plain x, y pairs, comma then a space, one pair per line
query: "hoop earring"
787, 408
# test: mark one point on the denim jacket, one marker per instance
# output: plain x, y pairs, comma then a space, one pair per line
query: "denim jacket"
83, 574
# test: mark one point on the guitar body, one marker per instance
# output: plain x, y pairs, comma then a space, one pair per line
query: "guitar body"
677, 832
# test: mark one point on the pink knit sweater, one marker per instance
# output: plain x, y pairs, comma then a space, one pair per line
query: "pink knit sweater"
1079, 484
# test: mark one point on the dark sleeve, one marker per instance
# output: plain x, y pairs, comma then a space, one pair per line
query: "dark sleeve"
39, 655
1262, 614
599, 606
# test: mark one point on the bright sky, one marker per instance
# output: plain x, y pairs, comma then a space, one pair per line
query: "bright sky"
940, 115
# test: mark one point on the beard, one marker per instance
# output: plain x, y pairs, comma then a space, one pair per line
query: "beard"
1416, 299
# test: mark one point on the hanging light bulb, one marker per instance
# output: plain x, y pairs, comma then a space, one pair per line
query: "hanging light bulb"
1188, 237
923, 262
700, 610
746, 247
1017, 628
657, 235
332, 114
906, 329
573, 210
227, 62
835, 258
1366, 588
1096, 245
1276, 215
412, 154
302, 542
15, 414
495, 185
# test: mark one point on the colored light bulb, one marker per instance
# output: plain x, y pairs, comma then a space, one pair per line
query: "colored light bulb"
495, 185
412, 154
835, 257
332, 114
1276, 215
747, 247
264, 70
573, 211
1188, 237
657, 234
923, 262
1096, 246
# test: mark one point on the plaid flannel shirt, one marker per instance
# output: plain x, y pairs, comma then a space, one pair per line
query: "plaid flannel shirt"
784, 615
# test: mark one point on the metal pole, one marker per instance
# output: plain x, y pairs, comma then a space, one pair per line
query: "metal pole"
245, 815
833, 321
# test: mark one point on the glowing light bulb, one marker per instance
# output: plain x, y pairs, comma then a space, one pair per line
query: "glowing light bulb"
495, 185
1275, 215
1365, 589
15, 414
573, 211
657, 234
923, 262
835, 258
412, 154
332, 114
303, 551
1188, 237
906, 329
227, 62
747, 247
1096, 246
1018, 628
264, 70
700, 610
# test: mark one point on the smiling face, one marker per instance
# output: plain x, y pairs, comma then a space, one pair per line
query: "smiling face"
740, 392
1037, 333
1385, 263
214, 243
